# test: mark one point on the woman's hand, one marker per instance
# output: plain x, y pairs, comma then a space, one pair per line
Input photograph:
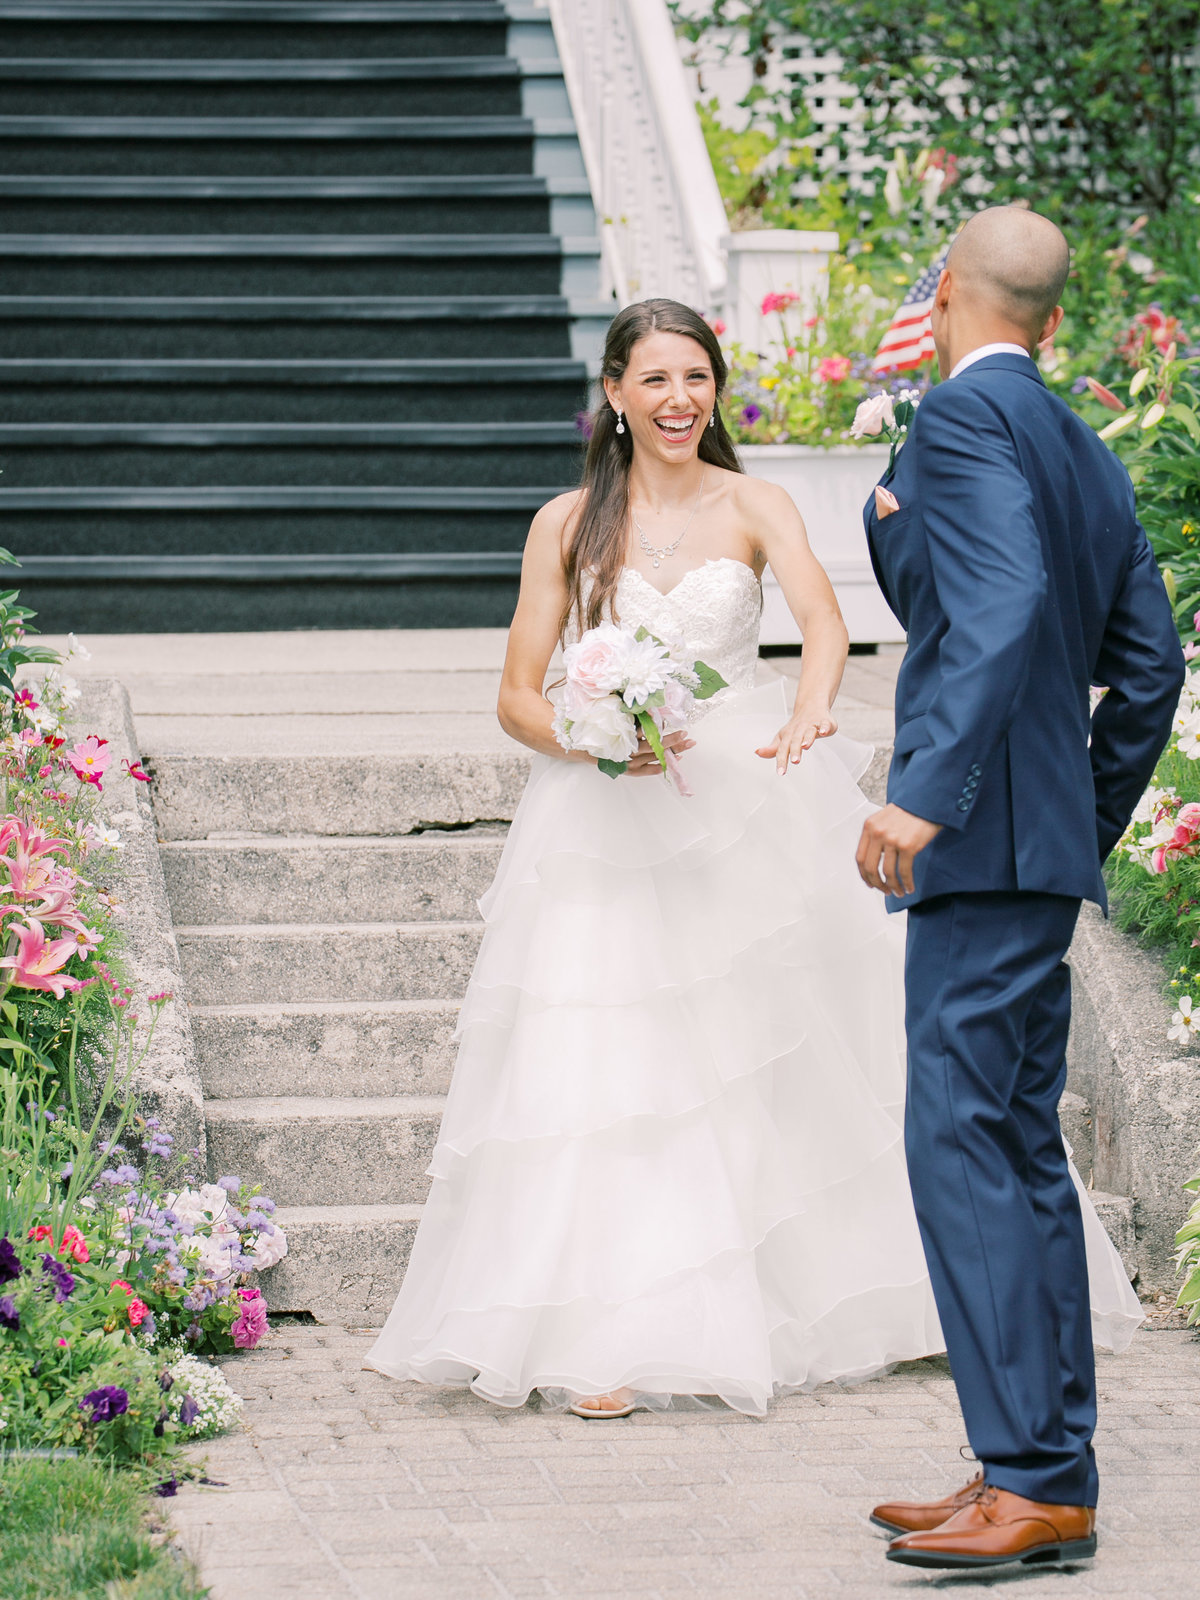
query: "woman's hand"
799, 733
646, 764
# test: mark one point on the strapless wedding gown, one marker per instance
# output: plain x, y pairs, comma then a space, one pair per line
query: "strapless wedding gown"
672, 1158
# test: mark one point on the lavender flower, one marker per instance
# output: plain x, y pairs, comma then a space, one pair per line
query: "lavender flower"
230, 1185
188, 1411
751, 413
10, 1317
62, 1281
106, 1403
127, 1174
10, 1266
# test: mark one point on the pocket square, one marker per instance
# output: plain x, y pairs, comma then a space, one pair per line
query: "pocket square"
885, 502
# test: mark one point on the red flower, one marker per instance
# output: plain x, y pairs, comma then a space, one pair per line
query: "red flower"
136, 770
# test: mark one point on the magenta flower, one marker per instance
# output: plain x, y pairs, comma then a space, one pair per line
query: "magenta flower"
38, 961
88, 759
777, 302
834, 369
251, 1323
136, 770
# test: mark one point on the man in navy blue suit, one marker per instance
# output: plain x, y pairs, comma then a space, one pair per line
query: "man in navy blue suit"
1009, 547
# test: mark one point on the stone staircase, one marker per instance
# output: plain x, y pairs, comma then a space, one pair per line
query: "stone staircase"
296, 298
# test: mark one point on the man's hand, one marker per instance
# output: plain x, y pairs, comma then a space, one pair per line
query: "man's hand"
890, 839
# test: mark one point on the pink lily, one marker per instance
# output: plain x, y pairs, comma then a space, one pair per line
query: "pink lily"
31, 868
37, 962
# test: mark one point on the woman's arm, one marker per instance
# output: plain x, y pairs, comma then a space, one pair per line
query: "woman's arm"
783, 543
523, 709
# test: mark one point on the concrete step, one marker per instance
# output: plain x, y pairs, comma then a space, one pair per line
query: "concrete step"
430, 877
344, 1264
393, 792
327, 1152
1075, 1120
1116, 1213
262, 963
341, 1048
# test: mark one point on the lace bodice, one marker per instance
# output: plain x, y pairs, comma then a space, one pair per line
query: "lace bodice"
715, 607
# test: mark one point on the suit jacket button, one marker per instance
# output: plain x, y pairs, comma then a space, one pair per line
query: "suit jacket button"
976, 771
964, 805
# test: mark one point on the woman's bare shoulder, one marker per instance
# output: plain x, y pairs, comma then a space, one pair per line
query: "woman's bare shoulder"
552, 522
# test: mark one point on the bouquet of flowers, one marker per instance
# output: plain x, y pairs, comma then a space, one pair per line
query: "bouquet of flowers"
621, 684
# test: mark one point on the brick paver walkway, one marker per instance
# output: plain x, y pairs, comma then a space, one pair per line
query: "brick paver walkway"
346, 1484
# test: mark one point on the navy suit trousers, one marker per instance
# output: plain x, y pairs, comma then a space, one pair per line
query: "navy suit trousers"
989, 1006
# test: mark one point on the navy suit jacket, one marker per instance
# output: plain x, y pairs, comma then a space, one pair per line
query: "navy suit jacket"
1022, 576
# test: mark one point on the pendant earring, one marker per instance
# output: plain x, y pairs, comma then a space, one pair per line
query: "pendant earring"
712, 421
620, 423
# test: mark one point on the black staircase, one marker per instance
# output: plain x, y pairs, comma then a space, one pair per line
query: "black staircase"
283, 333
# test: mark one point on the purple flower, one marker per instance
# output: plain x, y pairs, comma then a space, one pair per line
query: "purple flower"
165, 1380
106, 1403
751, 413
127, 1174
10, 1317
62, 1281
264, 1203
188, 1411
230, 1185
10, 1267
168, 1487
583, 423
153, 1122
1079, 386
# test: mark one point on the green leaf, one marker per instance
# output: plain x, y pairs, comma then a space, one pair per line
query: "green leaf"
612, 769
653, 738
1189, 419
711, 681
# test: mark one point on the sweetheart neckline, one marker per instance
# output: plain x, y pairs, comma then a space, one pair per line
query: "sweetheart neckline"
712, 561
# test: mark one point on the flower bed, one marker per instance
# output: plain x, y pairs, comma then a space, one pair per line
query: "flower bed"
120, 1269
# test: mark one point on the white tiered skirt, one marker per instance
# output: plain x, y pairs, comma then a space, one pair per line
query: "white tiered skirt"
672, 1157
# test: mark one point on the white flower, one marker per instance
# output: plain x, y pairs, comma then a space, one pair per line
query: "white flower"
873, 416
76, 649
267, 1248
1184, 1026
605, 730
97, 833
892, 192
1189, 738
645, 670
1144, 810
220, 1405
45, 721
931, 186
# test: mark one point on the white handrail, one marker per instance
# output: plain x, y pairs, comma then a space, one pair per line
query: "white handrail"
660, 211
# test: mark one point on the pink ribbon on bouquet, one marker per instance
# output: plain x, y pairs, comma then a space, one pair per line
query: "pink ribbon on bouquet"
675, 768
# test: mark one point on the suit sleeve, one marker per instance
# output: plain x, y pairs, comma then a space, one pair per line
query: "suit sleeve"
1141, 665
985, 553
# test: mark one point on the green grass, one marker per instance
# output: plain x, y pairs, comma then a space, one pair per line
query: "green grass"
77, 1530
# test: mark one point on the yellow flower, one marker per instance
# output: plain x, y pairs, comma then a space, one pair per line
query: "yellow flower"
769, 383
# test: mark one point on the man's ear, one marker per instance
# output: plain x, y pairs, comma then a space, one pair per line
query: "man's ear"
941, 295
1053, 323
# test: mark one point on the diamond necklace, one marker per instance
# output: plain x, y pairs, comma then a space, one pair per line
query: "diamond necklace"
658, 553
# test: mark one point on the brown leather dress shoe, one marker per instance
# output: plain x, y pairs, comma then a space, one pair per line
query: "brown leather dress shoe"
917, 1516
995, 1528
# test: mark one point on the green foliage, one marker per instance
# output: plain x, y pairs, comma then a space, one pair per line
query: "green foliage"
1188, 1240
15, 625
76, 1528
1072, 104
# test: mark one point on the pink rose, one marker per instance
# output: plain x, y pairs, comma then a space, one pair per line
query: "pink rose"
594, 663
834, 369
873, 416
251, 1323
138, 1311
673, 713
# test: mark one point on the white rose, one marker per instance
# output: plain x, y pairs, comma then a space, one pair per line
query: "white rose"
873, 416
268, 1248
605, 730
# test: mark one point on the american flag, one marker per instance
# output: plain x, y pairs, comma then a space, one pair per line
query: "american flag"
909, 339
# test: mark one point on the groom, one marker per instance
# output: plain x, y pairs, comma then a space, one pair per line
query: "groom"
1007, 543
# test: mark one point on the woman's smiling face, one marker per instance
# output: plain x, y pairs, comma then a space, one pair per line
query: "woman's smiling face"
667, 393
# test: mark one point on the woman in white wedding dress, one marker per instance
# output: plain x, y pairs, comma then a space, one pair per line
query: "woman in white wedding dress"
671, 1162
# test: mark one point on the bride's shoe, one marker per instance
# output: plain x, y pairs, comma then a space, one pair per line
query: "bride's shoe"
620, 1403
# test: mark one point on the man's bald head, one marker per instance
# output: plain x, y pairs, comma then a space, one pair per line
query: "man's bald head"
1014, 263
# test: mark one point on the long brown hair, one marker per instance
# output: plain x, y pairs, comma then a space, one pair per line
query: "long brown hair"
598, 539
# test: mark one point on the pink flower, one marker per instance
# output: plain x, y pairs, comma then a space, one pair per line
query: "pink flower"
1105, 396
136, 770
873, 416
138, 1312
834, 369
718, 327
30, 870
1191, 651
37, 962
88, 760
85, 940
671, 716
75, 1244
24, 699
119, 1283
811, 322
252, 1320
777, 302
44, 772
594, 664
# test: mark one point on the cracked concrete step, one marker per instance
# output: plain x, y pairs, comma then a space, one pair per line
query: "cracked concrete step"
327, 1152
1075, 1120
445, 771
344, 1264
265, 963
339, 1048
433, 876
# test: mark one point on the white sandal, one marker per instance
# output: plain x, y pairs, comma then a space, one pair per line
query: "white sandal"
579, 1409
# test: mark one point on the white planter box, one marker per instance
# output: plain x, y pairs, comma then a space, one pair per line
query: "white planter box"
830, 488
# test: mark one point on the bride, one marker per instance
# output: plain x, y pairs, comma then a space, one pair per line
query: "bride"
671, 1162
